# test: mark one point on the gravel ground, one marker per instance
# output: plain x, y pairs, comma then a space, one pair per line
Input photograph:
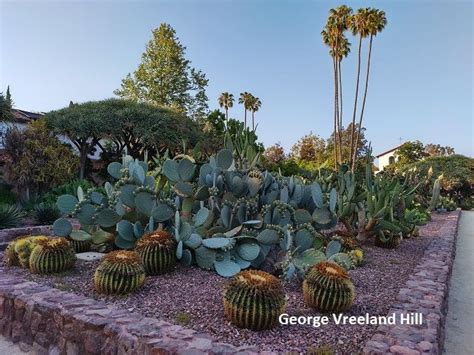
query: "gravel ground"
193, 298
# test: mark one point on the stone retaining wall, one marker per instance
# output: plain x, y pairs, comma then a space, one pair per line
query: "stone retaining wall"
426, 291
49, 321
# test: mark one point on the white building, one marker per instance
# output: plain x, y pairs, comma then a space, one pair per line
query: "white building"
387, 157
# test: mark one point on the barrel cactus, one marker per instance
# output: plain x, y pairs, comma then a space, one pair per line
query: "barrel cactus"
80, 246
387, 240
157, 252
52, 255
254, 300
119, 272
328, 288
11, 256
24, 247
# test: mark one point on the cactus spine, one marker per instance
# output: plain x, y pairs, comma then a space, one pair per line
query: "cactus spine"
254, 300
119, 272
51, 256
24, 247
328, 288
157, 252
80, 246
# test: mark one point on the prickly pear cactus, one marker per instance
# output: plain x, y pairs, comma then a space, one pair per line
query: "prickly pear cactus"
254, 300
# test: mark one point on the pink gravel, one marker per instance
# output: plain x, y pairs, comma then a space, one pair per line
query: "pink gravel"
193, 298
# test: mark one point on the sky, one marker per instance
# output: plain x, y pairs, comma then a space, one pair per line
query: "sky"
421, 84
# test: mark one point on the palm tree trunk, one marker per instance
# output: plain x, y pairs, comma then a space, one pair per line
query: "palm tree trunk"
335, 115
356, 143
245, 119
226, 114
253, 120
339, 73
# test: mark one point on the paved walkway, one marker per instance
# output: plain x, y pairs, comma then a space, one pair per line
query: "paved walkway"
460, 319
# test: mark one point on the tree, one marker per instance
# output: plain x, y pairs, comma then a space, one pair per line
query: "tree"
273, 156
376, 22
6, 105
215, 121
362, 144
246, 99
436, 150
334, 38
165, 78
309, 148
226, 101
127, 124
36, 161
255, 106
410, 152
359, 25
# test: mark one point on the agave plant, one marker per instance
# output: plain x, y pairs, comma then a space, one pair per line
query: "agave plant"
10, 216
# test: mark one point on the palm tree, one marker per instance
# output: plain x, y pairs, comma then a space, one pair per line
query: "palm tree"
359, 26
246, 99
333, 37
256, 104
376, 24
226, 101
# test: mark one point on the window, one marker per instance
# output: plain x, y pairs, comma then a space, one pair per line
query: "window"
391, 160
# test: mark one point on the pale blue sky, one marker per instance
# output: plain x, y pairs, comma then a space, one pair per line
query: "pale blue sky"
421, 77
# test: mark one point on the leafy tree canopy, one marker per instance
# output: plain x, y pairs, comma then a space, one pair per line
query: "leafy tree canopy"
165, 78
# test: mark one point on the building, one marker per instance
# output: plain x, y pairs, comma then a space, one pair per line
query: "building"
20, 119
387, 157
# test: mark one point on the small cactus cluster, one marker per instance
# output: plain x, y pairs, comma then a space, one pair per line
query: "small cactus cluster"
24, 246
254, 300
157, 252
328, 288
51, 256
357, 256
119, 272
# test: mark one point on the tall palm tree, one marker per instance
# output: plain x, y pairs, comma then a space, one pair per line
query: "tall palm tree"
226, 101
246, 99
359, 25
376, 24
333, 37
256, 104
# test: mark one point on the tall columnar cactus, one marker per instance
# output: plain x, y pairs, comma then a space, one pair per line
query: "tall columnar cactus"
119, 272
328, 288
51, 256
157, 250
254, 300
25, 246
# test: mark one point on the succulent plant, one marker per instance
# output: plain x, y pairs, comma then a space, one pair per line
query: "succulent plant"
357, 256
25, 246
11, 256
119, 272
52, 255
254, 300
387, 240
157, 250
328, 288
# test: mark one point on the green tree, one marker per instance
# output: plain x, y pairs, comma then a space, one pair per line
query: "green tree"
226, 101
273, 156
436, 150
309, 148
165, 78
376, 22
6, 105
410, 152
255, 106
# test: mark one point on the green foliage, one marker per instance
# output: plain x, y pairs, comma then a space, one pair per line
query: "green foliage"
51, 256
119, 272
410, 152
165, 77
26, 148
10, 216
254, 300
46, 213
328, 288
6, 104
7, 196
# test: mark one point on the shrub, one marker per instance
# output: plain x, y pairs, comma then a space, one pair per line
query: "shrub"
36, 160
10, 216
6, 195
51, 256
254, 300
